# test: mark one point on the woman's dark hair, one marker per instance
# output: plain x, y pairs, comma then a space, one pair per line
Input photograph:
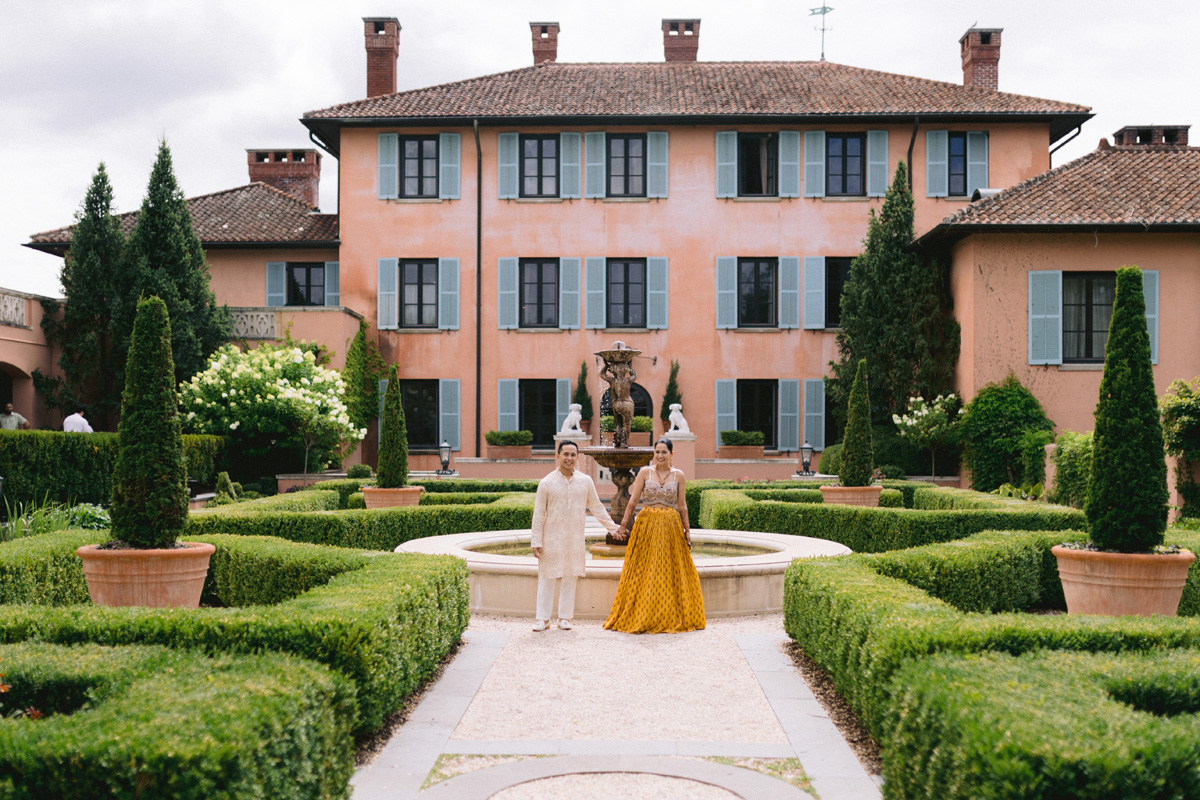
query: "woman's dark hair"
667, 442
566, 442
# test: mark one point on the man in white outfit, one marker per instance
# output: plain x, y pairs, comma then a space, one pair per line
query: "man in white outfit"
76, 423
559, 514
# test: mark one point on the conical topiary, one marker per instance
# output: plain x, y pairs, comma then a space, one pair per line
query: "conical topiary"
857, 466
672, 394
1127, 494
392, 470
150, 500
581, 395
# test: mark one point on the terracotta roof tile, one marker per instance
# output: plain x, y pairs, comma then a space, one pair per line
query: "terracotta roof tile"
1136, 185
251, 214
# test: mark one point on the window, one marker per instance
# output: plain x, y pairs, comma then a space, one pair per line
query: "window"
539, 166
844, 159
756, 292
626, 165
958, 164
306, 284
539, 293
539, 410
420, 402
757, 410
758, 155
419, 293
837, 272
418, 166
1087, 310
626, 293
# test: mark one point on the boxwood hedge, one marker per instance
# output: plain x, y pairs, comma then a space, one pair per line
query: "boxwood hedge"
157, 722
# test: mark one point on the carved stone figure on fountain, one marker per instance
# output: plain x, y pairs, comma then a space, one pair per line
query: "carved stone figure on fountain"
620, 377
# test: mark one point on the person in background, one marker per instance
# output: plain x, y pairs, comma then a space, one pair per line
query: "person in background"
11, 420
76, 423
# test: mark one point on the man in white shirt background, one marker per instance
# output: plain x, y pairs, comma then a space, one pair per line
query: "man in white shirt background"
76, 423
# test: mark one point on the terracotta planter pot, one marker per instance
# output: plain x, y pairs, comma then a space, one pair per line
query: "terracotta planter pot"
740, 451
374, 497
510, 451
1118, 584
639, 438
866, 496
585, 425
151, 578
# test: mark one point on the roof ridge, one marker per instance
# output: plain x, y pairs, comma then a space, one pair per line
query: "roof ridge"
985, 203
459, 82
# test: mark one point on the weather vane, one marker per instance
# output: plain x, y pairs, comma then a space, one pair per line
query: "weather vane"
823, 10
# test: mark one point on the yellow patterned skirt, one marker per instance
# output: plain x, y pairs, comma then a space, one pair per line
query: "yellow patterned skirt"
659, 590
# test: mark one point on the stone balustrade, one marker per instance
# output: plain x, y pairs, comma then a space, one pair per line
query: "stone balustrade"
12, 310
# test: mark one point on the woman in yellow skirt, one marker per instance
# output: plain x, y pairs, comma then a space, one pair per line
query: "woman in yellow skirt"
659, 590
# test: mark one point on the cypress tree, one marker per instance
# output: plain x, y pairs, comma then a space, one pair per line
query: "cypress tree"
895, 314
150, 500
92, 281
392, 470
671, 395
353, 376
1127, 494
857, 467
581, 394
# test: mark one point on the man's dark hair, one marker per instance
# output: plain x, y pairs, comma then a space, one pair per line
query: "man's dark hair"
566, 442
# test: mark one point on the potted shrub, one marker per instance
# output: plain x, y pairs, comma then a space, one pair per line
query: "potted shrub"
741, 444
391, 473
641, 431
1123, 568
857, 468
144, 563
509, 444
584, 398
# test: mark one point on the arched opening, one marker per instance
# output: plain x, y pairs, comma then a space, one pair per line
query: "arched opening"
643, 406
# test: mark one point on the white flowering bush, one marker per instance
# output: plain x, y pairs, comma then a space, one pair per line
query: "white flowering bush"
930, 424
278, 408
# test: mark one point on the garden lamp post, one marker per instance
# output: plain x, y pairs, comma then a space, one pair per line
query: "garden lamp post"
806, 454
444, 455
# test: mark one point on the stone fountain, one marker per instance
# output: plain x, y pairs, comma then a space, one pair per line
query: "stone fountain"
622, 460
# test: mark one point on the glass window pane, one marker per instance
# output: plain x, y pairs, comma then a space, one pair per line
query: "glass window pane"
853, 146
835, 146
549, 185
410, 186
429, 148
430, 187
429, 315
410, 315
635, 185
853, 184
550, 147
530, 147
411, 148
410, 168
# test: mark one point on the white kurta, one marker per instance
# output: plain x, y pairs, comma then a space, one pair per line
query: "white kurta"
559, 515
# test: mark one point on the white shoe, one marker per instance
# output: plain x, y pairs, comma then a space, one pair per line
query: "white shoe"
541, 625
564, 625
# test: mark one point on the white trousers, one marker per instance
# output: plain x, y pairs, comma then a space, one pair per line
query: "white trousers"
566, 597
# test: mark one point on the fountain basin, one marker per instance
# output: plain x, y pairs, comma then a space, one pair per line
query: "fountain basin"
732, 586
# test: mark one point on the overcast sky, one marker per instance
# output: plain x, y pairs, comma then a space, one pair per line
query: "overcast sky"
104, 80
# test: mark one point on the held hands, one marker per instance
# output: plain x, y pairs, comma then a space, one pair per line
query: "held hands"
537, 552
621, 534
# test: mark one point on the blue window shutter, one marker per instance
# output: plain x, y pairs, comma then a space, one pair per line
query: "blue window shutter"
789, 416
727, 316
276, 283
977, 161
568, 293
814, 293
450, 412
1045, 317
726, 397
562, 401
570, 147
657, 161
789, 291
937, 163
594, 164
333, 284
789, 163
877, 163
449, 158
508, 154
507, 404
814, 163
596, 277
386, 308
389, 165
1150, 289
726, 163
508, 315
656, 293
447, 312
814, 413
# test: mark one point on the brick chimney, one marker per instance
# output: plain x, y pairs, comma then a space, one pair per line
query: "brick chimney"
297, 172
545, 41
383, 48
1152, 134
681, 39
981, 57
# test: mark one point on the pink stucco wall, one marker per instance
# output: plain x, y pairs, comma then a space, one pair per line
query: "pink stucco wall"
990, 288
23, 348
239, 277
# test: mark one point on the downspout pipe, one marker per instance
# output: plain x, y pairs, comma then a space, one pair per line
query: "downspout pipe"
478, 284
911, 142
1063, 143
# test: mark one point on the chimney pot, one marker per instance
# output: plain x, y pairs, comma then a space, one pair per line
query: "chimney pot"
681, 39
383, 48
296, 172
545, 41
1145, 135
981, 57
